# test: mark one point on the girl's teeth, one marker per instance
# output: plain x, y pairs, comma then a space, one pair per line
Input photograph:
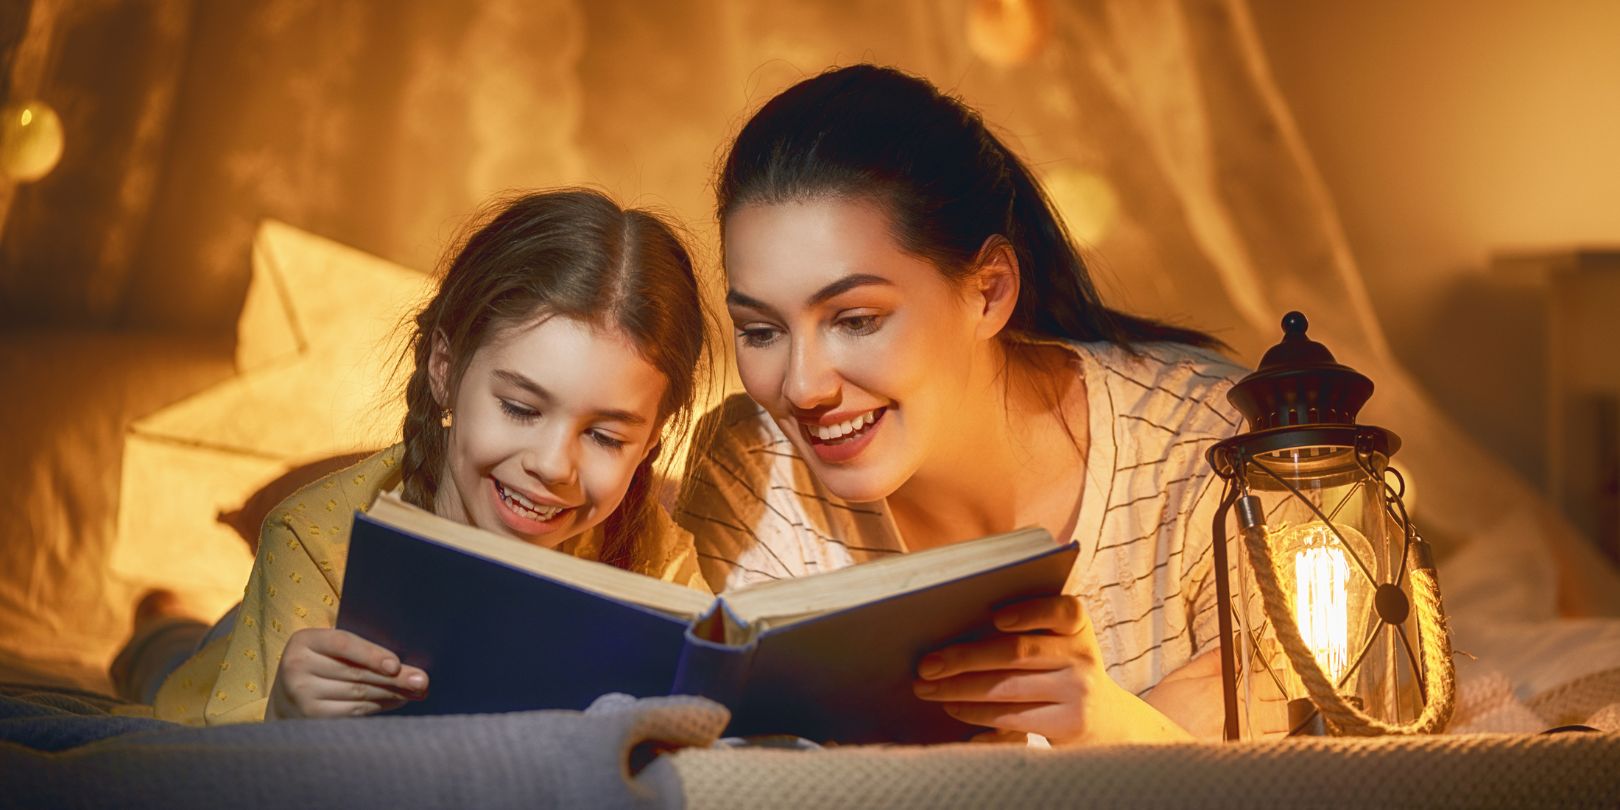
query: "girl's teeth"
525, 505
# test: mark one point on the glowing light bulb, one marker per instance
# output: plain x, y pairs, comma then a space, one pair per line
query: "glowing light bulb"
1329, 599
1320, 606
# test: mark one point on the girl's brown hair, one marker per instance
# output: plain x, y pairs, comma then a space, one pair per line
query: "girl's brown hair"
572, 253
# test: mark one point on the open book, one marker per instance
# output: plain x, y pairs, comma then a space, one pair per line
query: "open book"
502, 625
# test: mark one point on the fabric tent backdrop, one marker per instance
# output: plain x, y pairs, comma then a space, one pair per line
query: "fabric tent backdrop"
1155, 124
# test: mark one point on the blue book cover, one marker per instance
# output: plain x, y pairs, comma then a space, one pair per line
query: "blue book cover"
500, 625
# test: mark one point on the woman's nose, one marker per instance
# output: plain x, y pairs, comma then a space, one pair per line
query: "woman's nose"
810, 381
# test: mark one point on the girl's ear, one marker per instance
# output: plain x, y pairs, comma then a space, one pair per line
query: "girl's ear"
439, 369
994, 285
651, 453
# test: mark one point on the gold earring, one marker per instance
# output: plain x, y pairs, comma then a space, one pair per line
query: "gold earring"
445, 419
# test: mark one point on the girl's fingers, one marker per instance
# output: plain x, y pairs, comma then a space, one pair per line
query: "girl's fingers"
348, 647
406, 679
352, 708
1008, 686
1025, 651
357, 692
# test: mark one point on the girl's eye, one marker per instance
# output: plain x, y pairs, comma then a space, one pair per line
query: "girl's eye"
606, 440
860, 324
521, 413
755, 337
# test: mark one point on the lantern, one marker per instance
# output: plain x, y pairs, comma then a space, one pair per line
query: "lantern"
1338, 623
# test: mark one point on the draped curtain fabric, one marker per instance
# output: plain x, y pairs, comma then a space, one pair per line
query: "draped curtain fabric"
383, 125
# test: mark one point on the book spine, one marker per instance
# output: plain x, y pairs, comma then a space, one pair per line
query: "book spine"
708, 666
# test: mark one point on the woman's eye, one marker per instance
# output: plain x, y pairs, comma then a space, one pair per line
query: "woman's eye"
521, 413
607, 440
860, 324
755, 337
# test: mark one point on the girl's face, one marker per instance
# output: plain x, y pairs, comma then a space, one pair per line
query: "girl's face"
550, 421
860, 351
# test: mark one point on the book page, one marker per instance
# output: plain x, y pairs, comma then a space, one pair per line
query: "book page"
783, 602
626, 586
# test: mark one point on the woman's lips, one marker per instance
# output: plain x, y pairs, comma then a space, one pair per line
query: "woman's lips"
846, 447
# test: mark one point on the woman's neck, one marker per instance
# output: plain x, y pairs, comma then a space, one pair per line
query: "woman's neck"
1018, 459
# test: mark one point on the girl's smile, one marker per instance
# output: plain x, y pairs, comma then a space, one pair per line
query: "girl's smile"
550, 422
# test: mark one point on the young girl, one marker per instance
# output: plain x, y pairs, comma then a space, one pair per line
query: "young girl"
563, 338
929, 362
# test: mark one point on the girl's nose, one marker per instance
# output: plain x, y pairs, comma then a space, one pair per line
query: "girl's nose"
552, 459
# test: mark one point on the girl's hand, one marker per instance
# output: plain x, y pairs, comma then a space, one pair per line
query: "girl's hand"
1043, 674
334, 673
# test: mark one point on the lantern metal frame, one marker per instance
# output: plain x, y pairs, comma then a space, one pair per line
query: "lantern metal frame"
1292, 426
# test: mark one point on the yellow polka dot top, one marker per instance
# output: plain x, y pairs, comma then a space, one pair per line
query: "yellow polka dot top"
297, 577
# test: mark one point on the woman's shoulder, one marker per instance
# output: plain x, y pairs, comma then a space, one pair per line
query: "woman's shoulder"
1174, 366
1171, 390
738, 423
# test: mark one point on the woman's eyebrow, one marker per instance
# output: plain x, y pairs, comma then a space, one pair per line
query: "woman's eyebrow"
821, 296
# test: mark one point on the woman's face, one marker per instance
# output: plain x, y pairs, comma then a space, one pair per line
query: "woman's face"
860, 351
550, 421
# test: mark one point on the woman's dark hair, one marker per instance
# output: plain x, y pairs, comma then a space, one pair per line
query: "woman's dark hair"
947, 183
572, 253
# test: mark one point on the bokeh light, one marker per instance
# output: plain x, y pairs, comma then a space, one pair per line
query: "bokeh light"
30, 140
1006, 33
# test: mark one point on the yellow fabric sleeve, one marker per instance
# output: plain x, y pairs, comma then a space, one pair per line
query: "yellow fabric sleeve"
297, 576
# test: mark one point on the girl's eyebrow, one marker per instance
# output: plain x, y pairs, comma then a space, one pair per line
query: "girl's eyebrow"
612, 414
821, 296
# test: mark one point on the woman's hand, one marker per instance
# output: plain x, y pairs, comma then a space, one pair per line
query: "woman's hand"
1042, 673
334, 673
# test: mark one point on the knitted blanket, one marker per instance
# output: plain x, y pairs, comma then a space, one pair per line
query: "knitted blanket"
64, 752
1556, 770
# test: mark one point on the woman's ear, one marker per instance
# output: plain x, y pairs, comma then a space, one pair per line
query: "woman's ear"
995, 284
439, 369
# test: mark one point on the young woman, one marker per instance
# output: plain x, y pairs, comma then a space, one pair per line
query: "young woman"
928, 362
564, 337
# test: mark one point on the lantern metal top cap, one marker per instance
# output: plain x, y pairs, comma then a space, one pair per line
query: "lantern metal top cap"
1299, 383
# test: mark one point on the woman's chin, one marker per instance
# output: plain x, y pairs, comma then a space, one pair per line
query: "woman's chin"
856, 484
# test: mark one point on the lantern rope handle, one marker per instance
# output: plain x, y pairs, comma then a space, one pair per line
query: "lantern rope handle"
1441, 695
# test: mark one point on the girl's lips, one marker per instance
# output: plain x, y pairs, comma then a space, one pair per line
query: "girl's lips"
843, 449
521, 524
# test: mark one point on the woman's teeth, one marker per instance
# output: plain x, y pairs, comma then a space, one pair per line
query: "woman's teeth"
829, 433
526, 507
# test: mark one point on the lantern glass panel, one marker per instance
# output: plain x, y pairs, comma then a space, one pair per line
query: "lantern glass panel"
1332, 542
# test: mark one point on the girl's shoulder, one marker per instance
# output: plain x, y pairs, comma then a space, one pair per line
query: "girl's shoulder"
322, 507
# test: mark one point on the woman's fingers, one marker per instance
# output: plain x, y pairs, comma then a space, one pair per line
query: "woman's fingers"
1053, 686
1062, 614
1007, 651
1014, 717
